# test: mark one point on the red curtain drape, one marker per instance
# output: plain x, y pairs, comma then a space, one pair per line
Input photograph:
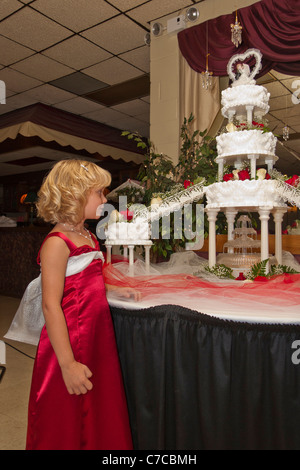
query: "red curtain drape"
272, 26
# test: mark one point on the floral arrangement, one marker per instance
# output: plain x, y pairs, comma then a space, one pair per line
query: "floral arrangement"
238, 125
244, 174
258, 272
261, 174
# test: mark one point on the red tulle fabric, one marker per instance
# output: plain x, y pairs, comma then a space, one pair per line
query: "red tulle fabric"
99, 419
279, 290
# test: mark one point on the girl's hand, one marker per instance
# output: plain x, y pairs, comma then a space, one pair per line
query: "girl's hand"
128, 293
76, 377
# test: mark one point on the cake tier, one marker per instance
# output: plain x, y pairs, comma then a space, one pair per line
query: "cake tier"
249, 193
253, 142
235, 100
134, 231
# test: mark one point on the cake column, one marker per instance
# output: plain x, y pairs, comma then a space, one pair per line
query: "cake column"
230, 217
108, 253
264, 215
147, 257
278, 217
212, 217
253, 159
220, 169
249, 114
131, 260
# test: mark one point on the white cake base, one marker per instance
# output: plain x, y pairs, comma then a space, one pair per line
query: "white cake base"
249, 193
236, 99
253, 142
132, 231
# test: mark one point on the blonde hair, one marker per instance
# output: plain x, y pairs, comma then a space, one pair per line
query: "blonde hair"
64, 192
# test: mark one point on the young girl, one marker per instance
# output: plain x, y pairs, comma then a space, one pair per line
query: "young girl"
77, 399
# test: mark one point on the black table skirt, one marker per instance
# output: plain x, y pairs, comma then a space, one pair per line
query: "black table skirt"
194, 382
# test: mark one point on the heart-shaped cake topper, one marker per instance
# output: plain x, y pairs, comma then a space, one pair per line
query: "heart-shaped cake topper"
246, 77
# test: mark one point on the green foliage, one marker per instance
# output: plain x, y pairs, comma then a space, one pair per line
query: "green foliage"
163, 178
221, 271
197, 154
258, 270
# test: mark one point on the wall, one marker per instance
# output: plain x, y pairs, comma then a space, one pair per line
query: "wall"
164, 55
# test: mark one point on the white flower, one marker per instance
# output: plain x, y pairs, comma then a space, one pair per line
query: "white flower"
236, 174
261, 173
231, 127
115, 216
156, 201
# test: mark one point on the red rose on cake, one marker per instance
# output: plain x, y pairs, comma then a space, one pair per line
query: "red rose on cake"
228, 177
244, 175
294, 181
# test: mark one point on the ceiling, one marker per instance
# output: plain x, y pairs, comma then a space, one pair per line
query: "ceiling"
90, 58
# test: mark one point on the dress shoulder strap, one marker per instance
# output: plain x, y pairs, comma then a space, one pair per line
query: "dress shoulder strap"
68, 242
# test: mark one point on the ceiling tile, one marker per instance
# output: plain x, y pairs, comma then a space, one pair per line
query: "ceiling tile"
104, 115
17, 81
112, 71
275, 89
79, 106
140, 58
281, 102
7, 7
292, 111
280, 76
20, 100
12, 52
133, 108
49, 94
125, 5
76, 14
5, 108
293, 120
130, 124
31, 29
157, 9
78, 83
77, 52
293, 84
117, 35
42, 68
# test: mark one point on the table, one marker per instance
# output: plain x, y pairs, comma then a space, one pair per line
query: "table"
198, 382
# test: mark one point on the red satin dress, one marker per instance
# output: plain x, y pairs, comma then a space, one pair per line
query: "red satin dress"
99, 419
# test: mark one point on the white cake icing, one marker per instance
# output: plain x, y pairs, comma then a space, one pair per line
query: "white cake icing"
235, 99
254, 142
132, 231
248, 193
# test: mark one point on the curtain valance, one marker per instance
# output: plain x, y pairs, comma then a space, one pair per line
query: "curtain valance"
272, 26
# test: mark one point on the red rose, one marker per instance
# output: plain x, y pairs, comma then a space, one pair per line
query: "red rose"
261, 279
241, 277
244, 175
187, 184
127, 214
228, 177
268, 177
294, 181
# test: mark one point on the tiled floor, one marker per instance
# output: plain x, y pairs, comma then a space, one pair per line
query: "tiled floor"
15, 386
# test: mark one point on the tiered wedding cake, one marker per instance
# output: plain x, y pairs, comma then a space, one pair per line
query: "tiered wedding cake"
245, 142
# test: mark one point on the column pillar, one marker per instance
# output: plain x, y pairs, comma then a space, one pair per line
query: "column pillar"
147, 257
264, 215
108, 253
212, 217
278, 217
230, 217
